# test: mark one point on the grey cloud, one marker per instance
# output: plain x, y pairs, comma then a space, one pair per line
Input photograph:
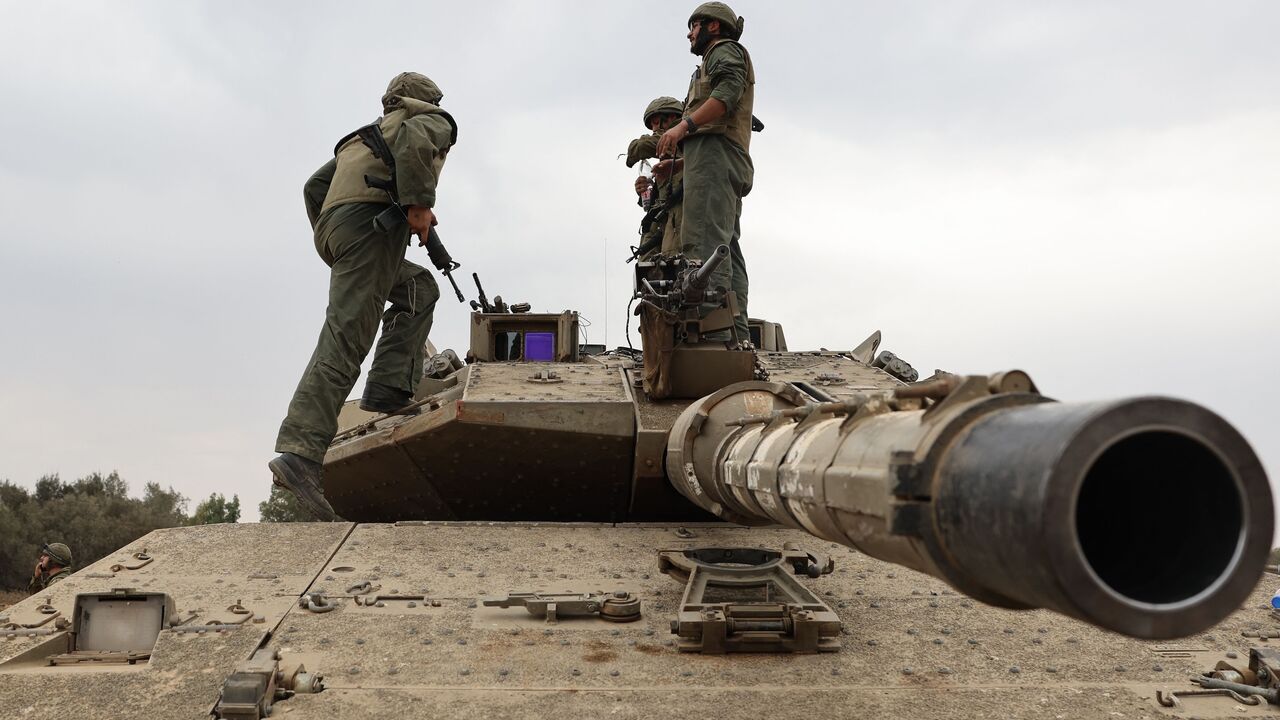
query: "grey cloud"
1085, 191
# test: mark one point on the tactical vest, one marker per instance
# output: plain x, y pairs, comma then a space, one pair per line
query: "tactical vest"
355, 160
736, 127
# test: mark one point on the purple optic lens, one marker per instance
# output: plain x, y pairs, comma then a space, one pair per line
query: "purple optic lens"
540, 346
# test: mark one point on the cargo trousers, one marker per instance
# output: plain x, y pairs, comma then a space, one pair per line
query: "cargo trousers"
367, 271
717, 174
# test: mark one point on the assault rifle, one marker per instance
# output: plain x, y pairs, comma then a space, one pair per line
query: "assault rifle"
657, 214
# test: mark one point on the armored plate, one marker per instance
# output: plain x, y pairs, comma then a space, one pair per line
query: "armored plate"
475, 446
910, 646
824, 373
570, 425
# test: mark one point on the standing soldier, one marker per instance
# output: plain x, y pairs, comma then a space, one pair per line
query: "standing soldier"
54, 565
362, 225
660, 230
715, 135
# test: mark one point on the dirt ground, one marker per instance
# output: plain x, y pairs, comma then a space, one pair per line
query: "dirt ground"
9, 597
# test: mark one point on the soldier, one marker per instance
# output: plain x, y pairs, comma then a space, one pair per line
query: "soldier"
715, 135
660, 236
54, 565
368, 270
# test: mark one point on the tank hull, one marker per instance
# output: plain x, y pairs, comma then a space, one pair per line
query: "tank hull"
912, 646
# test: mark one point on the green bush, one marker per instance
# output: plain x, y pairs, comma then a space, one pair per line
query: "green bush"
217, 509
282, 506
94, 516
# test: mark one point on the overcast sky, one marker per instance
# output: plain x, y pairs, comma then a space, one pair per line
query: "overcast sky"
1087, 191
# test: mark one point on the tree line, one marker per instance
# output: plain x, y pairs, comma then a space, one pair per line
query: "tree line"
95, 516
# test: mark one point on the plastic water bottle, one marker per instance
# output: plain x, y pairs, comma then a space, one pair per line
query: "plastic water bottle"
646, 197
1275, 600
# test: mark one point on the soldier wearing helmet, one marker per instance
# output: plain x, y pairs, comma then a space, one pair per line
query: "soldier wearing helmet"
362, 222
715, 136
54, 565
662, 236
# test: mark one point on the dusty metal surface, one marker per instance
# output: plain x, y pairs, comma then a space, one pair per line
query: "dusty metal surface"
562, 441
206, 570
828, 373
909, 644
394, 616
747, 600
524, 440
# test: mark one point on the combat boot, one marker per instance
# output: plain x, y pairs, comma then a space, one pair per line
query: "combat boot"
303, 478
379, 398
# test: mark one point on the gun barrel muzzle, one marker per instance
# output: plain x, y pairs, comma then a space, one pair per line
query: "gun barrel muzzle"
700, 277
1151, 517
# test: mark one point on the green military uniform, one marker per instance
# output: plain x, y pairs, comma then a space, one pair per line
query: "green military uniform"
645, 147
60, 555
367, 266
42, 581
718, 171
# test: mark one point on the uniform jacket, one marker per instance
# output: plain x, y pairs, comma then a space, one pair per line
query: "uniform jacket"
727, 75
419, 134
41, 581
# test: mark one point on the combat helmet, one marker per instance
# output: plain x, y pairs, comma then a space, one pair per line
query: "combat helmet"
730, 22
411, 85
664, 104
57, 552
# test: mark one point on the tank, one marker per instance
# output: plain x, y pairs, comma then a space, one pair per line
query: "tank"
701, 526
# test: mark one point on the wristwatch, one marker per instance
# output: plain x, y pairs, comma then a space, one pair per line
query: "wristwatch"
688, 121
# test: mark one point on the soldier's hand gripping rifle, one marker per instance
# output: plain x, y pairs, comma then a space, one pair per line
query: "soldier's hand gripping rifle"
371, 136
442, 261
657, 213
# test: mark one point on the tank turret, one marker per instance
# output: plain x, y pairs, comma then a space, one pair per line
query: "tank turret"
1150, 517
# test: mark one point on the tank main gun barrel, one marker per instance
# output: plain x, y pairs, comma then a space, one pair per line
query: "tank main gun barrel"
1150, 517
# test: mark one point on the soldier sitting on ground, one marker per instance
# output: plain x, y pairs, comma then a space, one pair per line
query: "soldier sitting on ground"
54, 565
